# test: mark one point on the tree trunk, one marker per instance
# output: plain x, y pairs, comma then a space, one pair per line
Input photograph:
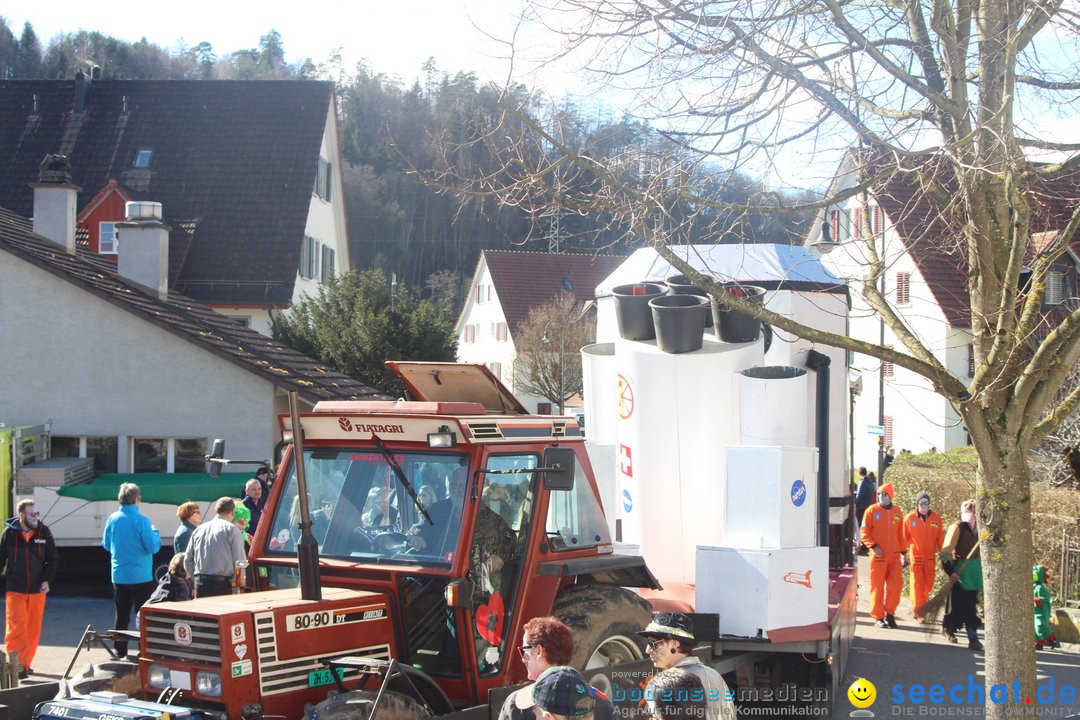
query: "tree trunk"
1004, 516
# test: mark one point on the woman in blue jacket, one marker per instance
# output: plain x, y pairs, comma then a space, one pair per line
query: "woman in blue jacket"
132, 541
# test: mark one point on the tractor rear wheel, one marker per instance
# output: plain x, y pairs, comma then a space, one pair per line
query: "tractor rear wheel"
605, 620
356, 705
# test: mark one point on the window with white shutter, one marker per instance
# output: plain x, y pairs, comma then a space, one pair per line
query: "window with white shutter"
1055, 288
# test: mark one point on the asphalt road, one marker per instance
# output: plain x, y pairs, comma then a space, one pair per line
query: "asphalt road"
907, 656
910, 656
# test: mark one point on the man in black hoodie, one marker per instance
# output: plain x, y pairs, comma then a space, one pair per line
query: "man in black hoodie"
28, 551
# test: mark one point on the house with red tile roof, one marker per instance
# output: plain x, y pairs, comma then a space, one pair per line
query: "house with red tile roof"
248, 173
504, 287
926, 284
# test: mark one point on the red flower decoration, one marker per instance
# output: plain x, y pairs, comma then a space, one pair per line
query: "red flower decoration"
489, 619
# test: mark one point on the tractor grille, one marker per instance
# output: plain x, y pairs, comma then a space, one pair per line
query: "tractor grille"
161, 641
280, 676
485, 431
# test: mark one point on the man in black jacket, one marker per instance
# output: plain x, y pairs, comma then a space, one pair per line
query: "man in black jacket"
28, 550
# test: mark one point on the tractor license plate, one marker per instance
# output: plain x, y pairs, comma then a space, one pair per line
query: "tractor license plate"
323, 677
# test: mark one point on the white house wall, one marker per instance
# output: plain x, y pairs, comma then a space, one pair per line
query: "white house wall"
326, 219
921, 418
96, 370
485, 348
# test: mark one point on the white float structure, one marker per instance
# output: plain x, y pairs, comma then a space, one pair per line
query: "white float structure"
677, 413
715, 473
798, 286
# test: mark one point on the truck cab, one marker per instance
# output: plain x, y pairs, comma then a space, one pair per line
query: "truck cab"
443, 524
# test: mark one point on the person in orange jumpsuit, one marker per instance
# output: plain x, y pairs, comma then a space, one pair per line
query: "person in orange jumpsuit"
883, 534
28, 552
924, 534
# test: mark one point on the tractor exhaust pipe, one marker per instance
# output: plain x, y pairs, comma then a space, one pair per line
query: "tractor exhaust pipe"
307, 549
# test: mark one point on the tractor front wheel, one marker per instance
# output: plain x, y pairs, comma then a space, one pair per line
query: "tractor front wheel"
358, 704
605, 620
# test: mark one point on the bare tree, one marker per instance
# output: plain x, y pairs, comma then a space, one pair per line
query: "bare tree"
924, 94
548, 345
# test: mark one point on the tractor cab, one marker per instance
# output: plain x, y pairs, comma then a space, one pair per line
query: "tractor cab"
446, 505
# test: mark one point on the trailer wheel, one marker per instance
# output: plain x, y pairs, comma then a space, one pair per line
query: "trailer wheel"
119, 676
605, 620
356, 705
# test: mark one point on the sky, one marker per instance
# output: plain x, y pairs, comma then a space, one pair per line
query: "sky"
395, 37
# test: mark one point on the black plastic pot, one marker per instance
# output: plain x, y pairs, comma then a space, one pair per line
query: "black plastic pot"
680, 322
733, 326
632, 309
681, 285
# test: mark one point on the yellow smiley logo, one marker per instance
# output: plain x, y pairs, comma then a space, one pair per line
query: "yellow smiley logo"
862, 693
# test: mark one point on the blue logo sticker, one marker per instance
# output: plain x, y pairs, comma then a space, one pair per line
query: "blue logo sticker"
627, 501
877, 516
798, 493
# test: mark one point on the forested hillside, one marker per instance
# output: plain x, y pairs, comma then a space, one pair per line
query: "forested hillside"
398, 136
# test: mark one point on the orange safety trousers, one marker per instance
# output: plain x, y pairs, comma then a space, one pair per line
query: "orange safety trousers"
886, 582
23, 613
922, 579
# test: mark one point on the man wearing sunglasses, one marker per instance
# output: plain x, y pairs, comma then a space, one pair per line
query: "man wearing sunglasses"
546, 643
28, 550
671, 644
924, 532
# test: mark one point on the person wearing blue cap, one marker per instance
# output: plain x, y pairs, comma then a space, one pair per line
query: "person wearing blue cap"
546, 643
562, 693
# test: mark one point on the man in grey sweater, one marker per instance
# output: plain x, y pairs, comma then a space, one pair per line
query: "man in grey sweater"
214, 550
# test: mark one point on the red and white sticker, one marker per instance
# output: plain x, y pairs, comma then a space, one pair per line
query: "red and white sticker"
626, 461
181, 633
238, 635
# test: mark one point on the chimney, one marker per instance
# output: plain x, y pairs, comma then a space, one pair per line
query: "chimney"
142, 243
55, 198
82, 91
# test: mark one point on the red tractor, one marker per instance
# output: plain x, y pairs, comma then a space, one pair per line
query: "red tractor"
441, 525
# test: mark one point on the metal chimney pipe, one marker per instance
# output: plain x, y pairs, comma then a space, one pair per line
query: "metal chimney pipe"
820, 363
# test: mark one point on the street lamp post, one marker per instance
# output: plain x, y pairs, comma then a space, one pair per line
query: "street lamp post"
562, 353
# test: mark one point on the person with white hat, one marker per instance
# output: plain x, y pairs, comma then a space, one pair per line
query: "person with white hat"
671, 644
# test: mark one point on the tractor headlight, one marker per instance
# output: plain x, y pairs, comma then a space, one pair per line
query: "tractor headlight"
208, 683
158, 676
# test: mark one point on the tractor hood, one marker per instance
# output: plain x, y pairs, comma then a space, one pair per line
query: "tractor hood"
457, 382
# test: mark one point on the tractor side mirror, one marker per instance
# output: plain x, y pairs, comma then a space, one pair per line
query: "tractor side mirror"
558, 469
217, 453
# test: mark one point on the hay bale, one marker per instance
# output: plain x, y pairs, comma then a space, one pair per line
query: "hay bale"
1066, 625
